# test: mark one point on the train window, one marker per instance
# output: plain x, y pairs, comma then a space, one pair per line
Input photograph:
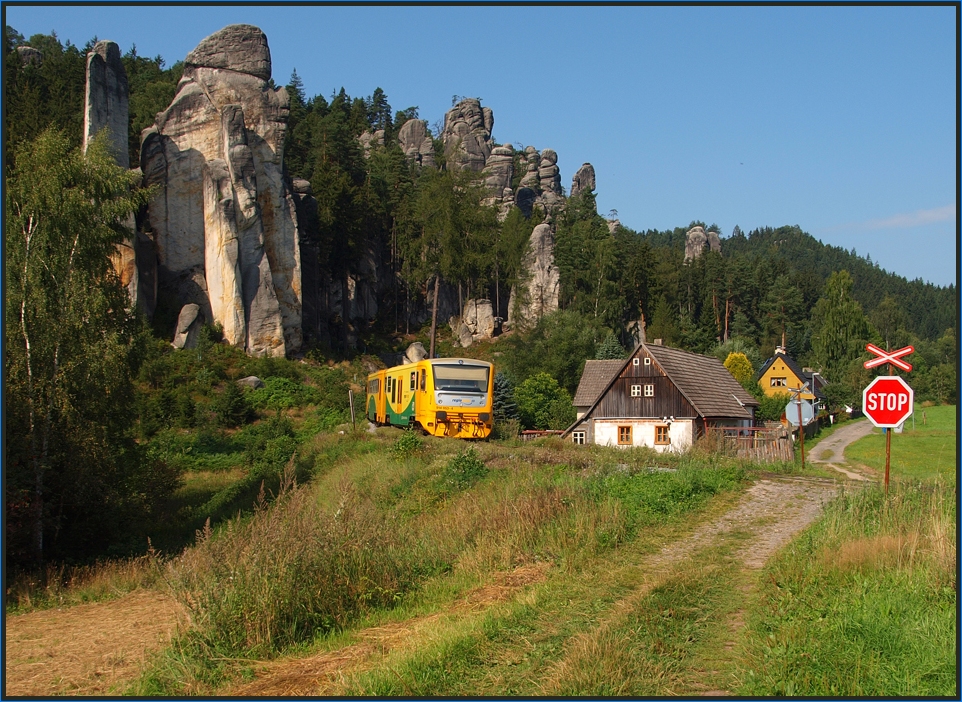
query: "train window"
424, 374
414, 379
462, 377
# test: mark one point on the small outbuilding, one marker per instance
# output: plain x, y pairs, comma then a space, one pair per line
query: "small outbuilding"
660, 397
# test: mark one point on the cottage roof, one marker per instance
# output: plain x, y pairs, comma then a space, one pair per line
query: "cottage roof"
595, 379
704, 381
804, 376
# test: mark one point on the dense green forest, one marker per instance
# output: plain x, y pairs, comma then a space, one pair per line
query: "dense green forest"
72, 427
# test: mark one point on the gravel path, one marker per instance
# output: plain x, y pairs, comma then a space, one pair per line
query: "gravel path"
831, 451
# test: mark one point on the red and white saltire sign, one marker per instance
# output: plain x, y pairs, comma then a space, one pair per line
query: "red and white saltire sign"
893, 357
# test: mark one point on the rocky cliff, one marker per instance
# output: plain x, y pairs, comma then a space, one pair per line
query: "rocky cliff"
696, 241
223, 219
226, 232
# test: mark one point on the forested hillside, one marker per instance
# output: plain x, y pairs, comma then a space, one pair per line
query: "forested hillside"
376, 211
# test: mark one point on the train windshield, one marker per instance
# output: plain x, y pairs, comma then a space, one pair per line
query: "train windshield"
462, 378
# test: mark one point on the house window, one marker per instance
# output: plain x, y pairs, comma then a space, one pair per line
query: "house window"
661, 435
635, 361
578, 437
624, 436
636, 391
647, 361
649, 391
778, 382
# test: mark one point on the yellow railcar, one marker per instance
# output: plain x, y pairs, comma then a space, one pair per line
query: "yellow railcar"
444, 396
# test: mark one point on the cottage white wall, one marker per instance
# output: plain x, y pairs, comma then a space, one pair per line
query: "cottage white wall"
643, 433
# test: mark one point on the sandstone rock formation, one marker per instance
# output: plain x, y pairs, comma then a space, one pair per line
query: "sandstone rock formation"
30, 56
714, 243
415, 352
368, 138
252, 382
538, 295
106, 108
696, 240
476, 323
467, 135
533, 159
549, 177
106, 99
416, 142
498, 170
224, 218
583, 180
188, 327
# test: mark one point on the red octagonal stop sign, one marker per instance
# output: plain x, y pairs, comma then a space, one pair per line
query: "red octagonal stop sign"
887, 401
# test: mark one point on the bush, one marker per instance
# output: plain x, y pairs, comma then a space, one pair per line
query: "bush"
464, 470
771, 407
280, 392
408, 444
230, 407
543, 404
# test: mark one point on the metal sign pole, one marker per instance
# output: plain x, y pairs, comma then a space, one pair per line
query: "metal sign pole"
801, 430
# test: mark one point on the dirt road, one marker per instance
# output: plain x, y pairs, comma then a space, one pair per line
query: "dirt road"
830, 452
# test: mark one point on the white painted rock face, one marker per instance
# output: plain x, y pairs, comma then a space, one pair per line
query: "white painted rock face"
223, 211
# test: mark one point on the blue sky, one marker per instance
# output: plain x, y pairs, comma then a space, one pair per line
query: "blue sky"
841, 120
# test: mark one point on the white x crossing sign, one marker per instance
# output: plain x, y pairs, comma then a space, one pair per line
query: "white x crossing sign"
893, 357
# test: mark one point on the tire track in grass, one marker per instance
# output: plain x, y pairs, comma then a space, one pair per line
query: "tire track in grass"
768, 515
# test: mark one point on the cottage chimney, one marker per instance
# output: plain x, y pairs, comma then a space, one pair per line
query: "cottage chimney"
657, 342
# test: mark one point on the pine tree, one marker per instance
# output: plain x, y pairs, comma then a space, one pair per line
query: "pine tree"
610, 348
504, 405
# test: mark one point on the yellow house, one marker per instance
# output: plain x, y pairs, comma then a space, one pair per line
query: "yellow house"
780, 374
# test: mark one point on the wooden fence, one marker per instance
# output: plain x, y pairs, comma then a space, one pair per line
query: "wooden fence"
762, 444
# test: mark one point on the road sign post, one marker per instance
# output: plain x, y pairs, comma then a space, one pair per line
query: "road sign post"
797, 398
888, 400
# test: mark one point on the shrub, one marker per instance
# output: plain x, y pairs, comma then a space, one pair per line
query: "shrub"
408, 444
230, 407
543, 404
464, 470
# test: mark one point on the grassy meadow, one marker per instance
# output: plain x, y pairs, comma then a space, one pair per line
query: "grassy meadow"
513, 568
925, 450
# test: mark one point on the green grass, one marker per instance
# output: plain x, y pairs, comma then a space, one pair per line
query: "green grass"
379, 528
863, 604
924, 452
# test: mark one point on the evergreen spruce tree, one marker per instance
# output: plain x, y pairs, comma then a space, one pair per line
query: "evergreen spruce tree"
504, 405
610, 348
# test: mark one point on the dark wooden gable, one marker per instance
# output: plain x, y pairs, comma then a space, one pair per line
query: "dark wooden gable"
667, 401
